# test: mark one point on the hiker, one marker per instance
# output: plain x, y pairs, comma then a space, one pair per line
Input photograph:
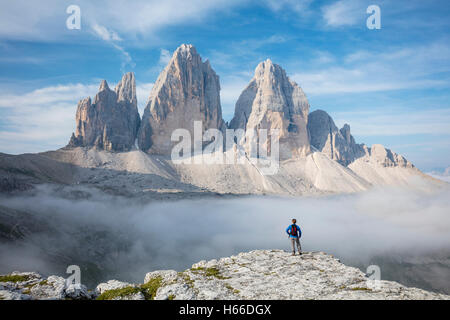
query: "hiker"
295, 234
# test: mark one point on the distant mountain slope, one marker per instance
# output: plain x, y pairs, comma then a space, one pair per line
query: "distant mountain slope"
116, 151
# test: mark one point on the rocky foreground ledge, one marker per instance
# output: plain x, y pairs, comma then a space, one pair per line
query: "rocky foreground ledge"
259, 274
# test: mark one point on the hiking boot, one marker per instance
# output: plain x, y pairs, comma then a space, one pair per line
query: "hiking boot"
293, 253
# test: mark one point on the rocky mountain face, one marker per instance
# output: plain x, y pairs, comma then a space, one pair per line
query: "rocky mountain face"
273, 101
111, 122
258, 274
340, 145
187, 90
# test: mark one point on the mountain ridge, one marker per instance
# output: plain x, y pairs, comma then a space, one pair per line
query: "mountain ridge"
315, 156
258, 274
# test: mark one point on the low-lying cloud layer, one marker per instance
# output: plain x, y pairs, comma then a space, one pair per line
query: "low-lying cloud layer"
125, 239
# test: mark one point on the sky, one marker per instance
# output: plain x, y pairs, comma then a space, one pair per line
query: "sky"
391, 85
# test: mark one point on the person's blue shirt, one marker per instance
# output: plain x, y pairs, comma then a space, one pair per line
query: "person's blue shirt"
299, 232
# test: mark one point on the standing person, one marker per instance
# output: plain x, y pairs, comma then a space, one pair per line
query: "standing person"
295, 234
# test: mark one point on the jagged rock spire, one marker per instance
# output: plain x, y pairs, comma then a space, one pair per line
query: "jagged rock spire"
187, 90
273, 101
338, 144
112, 121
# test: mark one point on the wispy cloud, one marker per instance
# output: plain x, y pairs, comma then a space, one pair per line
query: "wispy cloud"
390, 121
301, 7
43, 119
164, 56
105, 34
393, 69
344, 13
111, 37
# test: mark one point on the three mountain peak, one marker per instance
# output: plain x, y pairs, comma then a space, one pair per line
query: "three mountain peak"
188, 90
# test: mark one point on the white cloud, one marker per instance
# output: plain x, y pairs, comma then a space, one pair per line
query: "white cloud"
231, 88
301, 7
390, 69
356, 228
344, 13
441, 176
142, 94
31, 20
44, 119
390, 121
105, 34
164, 57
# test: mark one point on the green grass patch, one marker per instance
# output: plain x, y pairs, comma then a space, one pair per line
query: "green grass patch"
118, 293
360, 289
43, 283
14, 278
229, 287
147, 289
187, 279
209, 272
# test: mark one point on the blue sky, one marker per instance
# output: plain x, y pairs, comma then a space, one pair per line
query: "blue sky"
391, 85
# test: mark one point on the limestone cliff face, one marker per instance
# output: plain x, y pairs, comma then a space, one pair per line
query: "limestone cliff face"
187, 90
385, 157
338, 144
111, 122
273, 101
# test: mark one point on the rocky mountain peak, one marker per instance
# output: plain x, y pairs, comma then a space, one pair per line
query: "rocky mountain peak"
103, 86
273, 101
187, 90
112, 121
126, 89
387, 158
338, 144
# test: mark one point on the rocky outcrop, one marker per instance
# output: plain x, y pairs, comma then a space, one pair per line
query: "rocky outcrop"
338, 144
378, 154
111, 122
259, 274
187, 90
273, 101
32, 286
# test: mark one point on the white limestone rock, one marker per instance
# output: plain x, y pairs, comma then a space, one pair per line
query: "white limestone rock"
114, 285
13, 295
53, 288
77, 291
273, 101
111, 285
275, 274
112, 121
187, 90
338, 144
